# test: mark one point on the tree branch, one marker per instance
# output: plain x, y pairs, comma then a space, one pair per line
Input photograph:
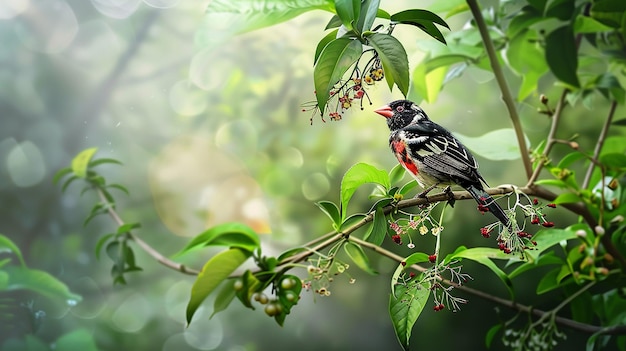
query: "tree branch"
599, 145
506, 96
551, 140
144, 245
566, 322
331, 238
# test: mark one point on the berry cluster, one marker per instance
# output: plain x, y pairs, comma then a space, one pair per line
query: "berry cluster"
519, 240
346, 93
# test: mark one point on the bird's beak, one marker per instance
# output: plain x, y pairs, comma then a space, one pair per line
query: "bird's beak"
385, 111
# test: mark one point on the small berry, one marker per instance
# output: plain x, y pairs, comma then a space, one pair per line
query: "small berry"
551, 205
484, 232
412, 275
534, 220
432, 258
397, 239
548, 224
535, 201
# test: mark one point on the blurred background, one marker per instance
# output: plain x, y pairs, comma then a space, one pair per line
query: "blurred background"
209, 134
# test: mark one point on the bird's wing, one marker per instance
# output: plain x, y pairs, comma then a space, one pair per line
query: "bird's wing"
439, 150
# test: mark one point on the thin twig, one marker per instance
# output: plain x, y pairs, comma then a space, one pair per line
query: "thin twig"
507, 97
599, 144
144, 245
551, 140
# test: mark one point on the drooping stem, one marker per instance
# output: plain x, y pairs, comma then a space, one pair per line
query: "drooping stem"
507, 97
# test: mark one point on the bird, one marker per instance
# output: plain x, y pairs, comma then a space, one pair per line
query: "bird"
434, 157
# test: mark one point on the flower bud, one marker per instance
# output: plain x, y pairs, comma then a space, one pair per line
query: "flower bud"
599, 230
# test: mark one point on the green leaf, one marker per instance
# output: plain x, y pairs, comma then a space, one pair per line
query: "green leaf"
332, 211
7, 245
527, 59
76, 340
291, 252
227, 234
566, 198
543, 260
127, 227
548, 282
552, 182
562, 55
426, 83
546, 238
357, 175
246, 15
561, 9
570, 158
355, 252
348, 11
334, 60
483, 255
60, 174
500, 144
322, 44
491, 333
613, 160
407, 187
334, 22
40, 282
423, 20
101, 242
378, 229
224, 297
394, 59
417, 257
609, 12
351, 220
584, 24
119, 187
216, 270
80, 163
369, 12
406, 308
102, 161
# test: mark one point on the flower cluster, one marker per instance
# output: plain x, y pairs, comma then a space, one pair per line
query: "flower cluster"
322, 271
346, 93
422, 222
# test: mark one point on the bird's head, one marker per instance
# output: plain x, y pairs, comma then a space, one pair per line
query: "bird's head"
401, 113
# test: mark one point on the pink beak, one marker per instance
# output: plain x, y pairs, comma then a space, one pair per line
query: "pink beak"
385, 111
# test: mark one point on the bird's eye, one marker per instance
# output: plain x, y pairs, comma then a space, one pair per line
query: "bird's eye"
400, 108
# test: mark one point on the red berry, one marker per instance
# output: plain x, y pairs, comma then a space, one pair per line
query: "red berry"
412, 275
432, 258
535, 201
548, 224
484, 232
397, 239
534, 220
551, 205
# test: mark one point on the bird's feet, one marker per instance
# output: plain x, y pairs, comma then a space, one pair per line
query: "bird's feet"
426, 191
450, 194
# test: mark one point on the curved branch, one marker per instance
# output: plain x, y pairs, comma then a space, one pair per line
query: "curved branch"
144, 245
507, 97
566, 322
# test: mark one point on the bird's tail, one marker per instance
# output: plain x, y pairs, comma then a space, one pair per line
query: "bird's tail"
486, 202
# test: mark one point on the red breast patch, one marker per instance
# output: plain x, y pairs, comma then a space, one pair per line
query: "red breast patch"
399, 148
